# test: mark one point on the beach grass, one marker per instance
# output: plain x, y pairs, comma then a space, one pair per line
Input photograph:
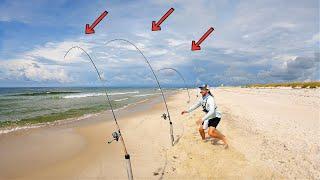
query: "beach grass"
314, 84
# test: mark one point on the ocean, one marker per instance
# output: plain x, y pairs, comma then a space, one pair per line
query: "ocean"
25, 106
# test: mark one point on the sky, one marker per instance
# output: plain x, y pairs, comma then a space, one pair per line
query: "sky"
262, 41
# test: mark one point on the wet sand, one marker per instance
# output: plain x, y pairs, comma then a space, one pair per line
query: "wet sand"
273, 134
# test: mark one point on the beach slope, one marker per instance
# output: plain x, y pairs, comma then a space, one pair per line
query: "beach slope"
273, 133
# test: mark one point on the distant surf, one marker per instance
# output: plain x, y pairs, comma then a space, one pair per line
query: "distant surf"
118, 100
44, 93
98, 94
142, 95
24, 107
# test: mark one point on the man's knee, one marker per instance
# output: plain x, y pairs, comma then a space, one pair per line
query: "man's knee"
212, 132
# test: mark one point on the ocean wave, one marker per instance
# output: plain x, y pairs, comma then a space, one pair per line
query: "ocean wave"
142, 95
45, 93
120, 93
82, 95
118, 100
5, 131
65, 120
57, 122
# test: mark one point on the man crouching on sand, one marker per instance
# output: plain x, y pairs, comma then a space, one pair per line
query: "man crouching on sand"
212, 117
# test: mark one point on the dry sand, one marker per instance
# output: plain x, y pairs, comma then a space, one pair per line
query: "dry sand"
273, 134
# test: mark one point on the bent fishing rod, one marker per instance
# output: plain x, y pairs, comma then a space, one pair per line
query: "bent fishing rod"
196, 85
164, 115
185, 84
117, 134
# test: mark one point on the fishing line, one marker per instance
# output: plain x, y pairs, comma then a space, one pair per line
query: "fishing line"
197, 91
178, 136
117, 134
164, 116
185, 84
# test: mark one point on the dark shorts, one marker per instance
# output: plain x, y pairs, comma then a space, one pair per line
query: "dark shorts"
213, 122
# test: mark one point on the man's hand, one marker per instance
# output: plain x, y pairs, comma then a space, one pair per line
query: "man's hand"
199, 122
183, 112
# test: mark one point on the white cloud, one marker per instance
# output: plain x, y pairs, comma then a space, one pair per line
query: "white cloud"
199, 70
284, 57
34, 71
295, 69
45, 63
158, 52
248, 34
315, 39
176, 42
55, 51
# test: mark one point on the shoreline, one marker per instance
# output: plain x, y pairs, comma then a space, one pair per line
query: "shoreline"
47, 137
41, 106
263, 142
26, 126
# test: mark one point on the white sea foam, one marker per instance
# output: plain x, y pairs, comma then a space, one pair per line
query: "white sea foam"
86, 116
142, 95
5, 131
118, 100
58, 122
119, 93
82, 95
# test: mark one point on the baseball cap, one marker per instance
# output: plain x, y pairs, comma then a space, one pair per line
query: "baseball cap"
205, 86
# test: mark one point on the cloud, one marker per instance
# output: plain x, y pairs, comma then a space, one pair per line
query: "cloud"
315, 39
166, 72
176, 42
45, 63
296, 69
253, 41
33, 71
199, 70
55, 51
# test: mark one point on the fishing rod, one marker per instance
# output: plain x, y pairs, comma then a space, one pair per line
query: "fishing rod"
185, 84
196, 85
117, 134
164, 115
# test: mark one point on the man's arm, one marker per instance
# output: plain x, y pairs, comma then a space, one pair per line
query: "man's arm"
195, 106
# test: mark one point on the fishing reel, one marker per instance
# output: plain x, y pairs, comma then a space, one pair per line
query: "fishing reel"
164, 116
116, 136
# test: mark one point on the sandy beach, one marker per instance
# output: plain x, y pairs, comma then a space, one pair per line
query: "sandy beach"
273, 134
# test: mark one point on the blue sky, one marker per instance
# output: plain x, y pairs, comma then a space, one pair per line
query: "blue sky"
253, 42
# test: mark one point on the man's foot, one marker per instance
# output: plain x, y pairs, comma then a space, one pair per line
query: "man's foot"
226, 146
206, 139
215, 141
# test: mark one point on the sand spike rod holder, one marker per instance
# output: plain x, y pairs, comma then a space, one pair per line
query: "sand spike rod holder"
164, 116
117, 134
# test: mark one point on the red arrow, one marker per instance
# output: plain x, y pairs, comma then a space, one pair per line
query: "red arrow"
90, 29
156, 26
196, 46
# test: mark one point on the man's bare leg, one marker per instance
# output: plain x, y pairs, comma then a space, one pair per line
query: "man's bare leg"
202, 133
213, 132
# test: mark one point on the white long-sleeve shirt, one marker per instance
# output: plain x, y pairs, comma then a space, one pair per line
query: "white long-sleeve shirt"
209, 104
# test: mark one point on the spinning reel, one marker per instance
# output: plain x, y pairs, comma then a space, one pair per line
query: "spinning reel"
116, 136
164, 116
